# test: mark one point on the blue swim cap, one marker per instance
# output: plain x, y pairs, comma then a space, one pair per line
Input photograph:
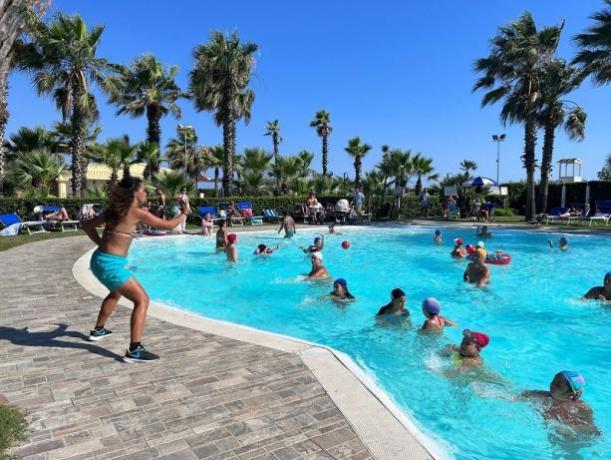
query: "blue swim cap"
563, 240
341, 282
608, 275
575, 381
317, 239
437, 232
431, 306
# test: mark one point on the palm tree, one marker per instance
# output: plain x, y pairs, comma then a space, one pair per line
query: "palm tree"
29, 139
423, 166
467, 166
357, 151
217, 155
219, 83
63, 61
288, 170
511, 73
306, 159
150, 155
557, 79
595, 47
171, 182
146, 88
181, 149
37, 170
116, 153
322, 123
256, 160
272, 128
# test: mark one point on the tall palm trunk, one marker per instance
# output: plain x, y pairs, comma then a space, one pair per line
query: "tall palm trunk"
276, 142
216, 181
546, 164
77, 145
529, 160
229, 131
153, 137
325, 153
357, 171
126, 171
4, 114
418, 188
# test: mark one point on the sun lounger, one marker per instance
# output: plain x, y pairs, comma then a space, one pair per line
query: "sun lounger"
556, 215
55, 224
272, 215
602, 214
245, 208
13, 219
203, 210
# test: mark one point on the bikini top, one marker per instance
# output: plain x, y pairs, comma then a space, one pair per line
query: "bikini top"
108, 231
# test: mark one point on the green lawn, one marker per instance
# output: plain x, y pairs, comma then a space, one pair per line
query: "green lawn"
12, 429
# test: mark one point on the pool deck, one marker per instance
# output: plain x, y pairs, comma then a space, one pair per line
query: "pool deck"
219, 392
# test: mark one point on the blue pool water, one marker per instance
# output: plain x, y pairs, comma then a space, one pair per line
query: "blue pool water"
531, 311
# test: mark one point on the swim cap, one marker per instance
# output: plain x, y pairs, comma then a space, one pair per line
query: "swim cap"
470, 249
575, 381
316, 254
396, 293
431, 306
341, 282
480, 338
563, 241
458, 241
480, 244
317, 239
437, 232
607, 275
232, 237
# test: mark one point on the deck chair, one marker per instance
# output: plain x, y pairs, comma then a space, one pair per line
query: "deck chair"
271, 215
13, 220
245, 208
54, 224
555, 215
602, 214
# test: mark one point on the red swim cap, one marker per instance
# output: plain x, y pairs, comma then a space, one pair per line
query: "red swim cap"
232, 237
481, 338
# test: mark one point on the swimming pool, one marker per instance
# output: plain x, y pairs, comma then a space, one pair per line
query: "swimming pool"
531, 311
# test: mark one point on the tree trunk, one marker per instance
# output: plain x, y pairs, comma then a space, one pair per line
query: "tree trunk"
276, 142
357, 171
546, 165
325, 153
229, 131
418, 185
216, 181
529, 160
77, 145
153, 137
84, 167
4, 114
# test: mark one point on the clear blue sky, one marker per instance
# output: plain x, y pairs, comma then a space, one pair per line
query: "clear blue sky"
391, 72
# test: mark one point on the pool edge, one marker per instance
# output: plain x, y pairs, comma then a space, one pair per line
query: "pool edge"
394, 433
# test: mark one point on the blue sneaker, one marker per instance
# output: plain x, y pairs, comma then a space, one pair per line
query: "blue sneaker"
139, 355
99, 334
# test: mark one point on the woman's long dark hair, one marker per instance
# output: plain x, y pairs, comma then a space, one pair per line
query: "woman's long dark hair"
121, 198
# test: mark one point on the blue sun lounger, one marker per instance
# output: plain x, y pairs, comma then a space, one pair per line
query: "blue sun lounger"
13, 219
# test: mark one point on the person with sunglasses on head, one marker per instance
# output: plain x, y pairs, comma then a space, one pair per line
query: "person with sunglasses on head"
109, 261
467, 355
563, 402
600, 292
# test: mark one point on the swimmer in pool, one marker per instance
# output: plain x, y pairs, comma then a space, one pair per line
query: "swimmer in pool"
396, 307
477, 272
318, 270
264, 250
483, 232
288, 224
480, 245
434, 321
332, 230
563, 244
600, 292
563, 402
467, 354
232, 247
438, 240
319, 244
459, 252
340, 290
221, 236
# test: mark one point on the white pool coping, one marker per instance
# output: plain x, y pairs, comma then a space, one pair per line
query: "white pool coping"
386, 430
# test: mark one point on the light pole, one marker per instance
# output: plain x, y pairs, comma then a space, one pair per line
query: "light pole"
498, 138
184, 129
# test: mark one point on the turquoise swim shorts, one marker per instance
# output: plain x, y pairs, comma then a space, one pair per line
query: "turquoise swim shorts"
110, 269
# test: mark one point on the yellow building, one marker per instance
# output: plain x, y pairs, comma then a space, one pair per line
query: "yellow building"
97, 175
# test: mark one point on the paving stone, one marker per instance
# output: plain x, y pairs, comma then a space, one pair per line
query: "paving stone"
209, 397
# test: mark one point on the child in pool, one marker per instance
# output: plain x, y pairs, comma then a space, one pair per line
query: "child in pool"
396, 307
562, 402
563, 244
459, 252
438, 240
264, 250
232, 248
340, 291
434, 321
467, 355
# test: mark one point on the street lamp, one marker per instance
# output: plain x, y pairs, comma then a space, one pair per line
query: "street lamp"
498, 138
184, 129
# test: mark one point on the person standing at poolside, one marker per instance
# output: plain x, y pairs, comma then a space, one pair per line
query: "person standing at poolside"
318, 270
358, 200
396, 307
232, 247
600, 292
221, 236
108, 262
477, 272
207, 224
288, 224
182, 201
563, 402
160, 210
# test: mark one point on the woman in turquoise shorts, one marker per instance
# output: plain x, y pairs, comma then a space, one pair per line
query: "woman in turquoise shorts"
109, 261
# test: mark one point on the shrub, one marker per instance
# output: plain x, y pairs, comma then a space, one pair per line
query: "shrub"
12, 429
500, 212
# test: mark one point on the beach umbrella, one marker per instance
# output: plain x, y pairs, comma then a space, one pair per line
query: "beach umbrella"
563, 197
479, 181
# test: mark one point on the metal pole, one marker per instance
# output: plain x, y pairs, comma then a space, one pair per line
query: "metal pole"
498, 161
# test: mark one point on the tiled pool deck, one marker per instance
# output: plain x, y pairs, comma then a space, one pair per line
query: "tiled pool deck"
210, 396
